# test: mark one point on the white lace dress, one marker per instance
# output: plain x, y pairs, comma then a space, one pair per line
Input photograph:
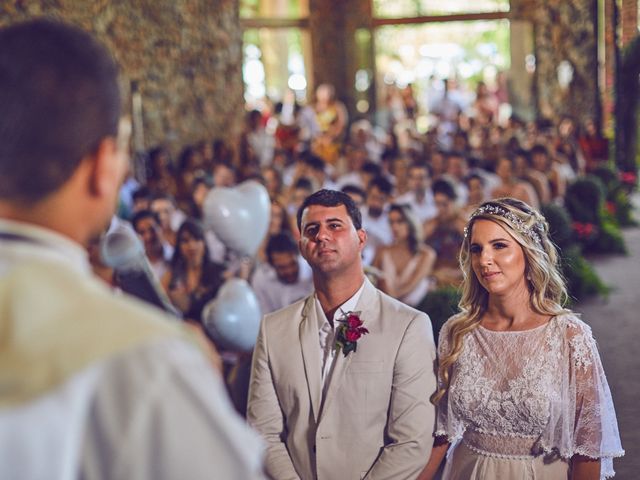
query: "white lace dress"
521, 404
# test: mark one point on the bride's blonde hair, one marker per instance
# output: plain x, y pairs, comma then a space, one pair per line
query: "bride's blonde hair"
546, 285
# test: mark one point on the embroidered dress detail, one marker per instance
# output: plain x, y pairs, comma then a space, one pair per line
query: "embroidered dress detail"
533, 392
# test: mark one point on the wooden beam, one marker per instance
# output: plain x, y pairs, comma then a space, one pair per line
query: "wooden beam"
274, 23
458, 17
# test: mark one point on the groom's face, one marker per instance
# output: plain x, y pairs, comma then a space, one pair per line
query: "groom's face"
329, 241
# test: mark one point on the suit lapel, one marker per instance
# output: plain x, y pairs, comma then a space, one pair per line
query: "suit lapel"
367, 306
310, 344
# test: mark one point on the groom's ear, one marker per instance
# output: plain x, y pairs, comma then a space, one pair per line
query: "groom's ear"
362, 237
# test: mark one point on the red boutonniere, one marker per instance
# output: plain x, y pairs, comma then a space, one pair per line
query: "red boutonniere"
349, 332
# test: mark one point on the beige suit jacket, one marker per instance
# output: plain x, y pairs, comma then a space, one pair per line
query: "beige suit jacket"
376, 421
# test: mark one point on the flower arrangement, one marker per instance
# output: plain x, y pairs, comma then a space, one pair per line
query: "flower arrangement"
585, 231
349, 332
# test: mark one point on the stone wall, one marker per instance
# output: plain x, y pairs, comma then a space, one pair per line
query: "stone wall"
564, 31
186, 56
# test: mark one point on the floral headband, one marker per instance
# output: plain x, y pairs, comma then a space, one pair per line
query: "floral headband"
514, 221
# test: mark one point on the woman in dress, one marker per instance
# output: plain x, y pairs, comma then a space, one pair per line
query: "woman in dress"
407, 263
521, 390
444, 234
193, 279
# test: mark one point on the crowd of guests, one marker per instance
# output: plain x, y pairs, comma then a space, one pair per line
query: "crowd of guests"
415, 191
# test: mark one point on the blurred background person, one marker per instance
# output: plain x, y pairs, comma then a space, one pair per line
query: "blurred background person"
192, 279
444, 234
285, 278
407, 263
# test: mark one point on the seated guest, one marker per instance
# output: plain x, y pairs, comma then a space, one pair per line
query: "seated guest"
445, 233
477, 193
193, 279
285, 279
299, 191
542, 161
457, 170
158, 250
511, 186
279, 222
407, 263
141, 200
375, 220
419, 195
522, 170
164, 205
357, 194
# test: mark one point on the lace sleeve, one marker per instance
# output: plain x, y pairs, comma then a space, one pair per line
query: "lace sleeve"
447, 424
587, 424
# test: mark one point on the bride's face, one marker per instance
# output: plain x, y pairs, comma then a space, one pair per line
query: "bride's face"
497, 259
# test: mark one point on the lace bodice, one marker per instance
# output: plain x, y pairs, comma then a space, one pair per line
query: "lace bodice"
515, 394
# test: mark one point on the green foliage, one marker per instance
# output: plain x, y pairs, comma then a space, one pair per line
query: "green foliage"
559, 225
582, 280
595, 228
584, 199
440, 305
617, 202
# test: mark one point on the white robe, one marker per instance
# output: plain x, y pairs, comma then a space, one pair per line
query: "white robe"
97, 386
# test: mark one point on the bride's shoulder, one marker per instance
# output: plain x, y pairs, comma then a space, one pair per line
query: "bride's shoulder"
572, 325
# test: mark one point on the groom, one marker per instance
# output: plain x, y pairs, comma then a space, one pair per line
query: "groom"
341, 380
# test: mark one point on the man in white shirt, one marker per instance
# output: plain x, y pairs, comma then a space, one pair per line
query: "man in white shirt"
375, 217
94, 385
285, 279
341, 379
147, 225
419, 196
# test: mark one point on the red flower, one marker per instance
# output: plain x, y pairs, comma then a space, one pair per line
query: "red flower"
349, 332
611, 208
628, 178
353, 321
352, 335
584, 230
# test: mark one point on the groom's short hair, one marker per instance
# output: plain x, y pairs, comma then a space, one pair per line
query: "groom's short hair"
331, 198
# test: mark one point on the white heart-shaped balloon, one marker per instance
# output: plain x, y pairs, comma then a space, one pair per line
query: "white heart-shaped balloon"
232, 318
239, 216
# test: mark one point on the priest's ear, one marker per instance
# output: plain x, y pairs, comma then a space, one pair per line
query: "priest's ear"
109, 162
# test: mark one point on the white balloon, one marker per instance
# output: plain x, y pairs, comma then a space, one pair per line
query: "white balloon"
232, 318
239, 216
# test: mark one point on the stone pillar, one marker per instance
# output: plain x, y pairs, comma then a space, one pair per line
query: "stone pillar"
629, 20
565, 41
185, 55
333, 26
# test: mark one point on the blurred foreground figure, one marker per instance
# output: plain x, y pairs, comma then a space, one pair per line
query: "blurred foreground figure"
91, 386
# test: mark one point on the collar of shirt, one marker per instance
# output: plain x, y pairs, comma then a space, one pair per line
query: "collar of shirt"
37, 241
347, 306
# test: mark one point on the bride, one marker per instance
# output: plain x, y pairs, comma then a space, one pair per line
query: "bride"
521, 389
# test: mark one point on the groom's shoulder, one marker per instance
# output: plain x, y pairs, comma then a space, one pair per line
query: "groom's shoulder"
401, 310
284, 318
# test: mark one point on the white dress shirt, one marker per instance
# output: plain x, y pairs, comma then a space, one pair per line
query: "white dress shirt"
327, 334
424, 209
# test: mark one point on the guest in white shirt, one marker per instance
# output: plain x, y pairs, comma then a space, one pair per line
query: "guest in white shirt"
375, 218
419, 196
285, 279
170, 216
158, 251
